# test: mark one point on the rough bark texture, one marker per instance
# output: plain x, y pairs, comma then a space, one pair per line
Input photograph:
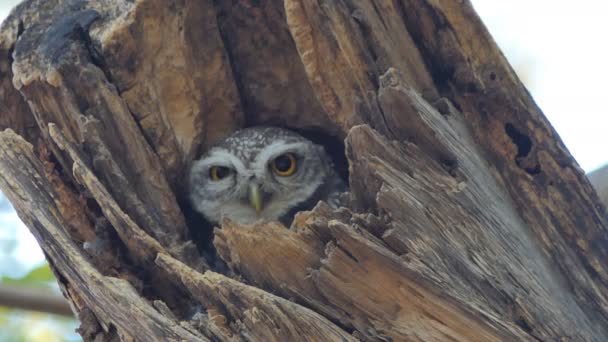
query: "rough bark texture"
468, 218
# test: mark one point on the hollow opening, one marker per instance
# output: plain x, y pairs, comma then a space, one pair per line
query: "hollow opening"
524, 147
522, 141
333, 145
202, 230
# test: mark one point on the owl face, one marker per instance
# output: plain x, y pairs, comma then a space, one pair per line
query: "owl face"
257, 173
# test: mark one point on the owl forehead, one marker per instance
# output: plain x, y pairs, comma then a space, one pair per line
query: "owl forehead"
248, 143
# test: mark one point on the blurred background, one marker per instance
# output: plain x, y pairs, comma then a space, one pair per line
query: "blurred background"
557, 48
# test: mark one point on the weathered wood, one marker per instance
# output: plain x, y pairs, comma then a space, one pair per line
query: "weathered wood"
69, 83
242, 312
114, 302
14, 110
178, 77
467, 218
349, 276
552, 193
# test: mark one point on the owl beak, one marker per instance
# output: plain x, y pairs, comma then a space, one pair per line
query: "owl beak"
255, 197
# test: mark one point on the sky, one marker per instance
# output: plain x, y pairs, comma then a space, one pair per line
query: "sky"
19, 251
560, 49
557, 47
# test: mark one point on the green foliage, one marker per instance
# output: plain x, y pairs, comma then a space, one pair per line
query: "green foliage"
40, 276
19, 325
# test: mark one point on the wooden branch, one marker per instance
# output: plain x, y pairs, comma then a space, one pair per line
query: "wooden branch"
34, 299
142, 246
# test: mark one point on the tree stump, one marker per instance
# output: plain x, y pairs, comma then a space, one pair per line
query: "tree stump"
467, 219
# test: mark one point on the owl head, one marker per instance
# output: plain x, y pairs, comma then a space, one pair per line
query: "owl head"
261, 173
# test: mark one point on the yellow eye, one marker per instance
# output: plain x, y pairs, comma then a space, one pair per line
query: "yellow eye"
284, 165
217, 173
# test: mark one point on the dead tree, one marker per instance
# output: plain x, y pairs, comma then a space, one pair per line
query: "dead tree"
468, 218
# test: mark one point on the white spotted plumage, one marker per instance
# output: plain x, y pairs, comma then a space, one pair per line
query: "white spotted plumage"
248, 154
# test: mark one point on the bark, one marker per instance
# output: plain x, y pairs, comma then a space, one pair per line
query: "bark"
467, 218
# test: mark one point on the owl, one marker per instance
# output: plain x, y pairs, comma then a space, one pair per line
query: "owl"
263, 173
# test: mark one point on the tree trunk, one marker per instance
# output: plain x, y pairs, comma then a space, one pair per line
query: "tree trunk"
467, 219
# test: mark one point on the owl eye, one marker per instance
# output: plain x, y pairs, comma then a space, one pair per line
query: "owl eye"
284, 165
217, 173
